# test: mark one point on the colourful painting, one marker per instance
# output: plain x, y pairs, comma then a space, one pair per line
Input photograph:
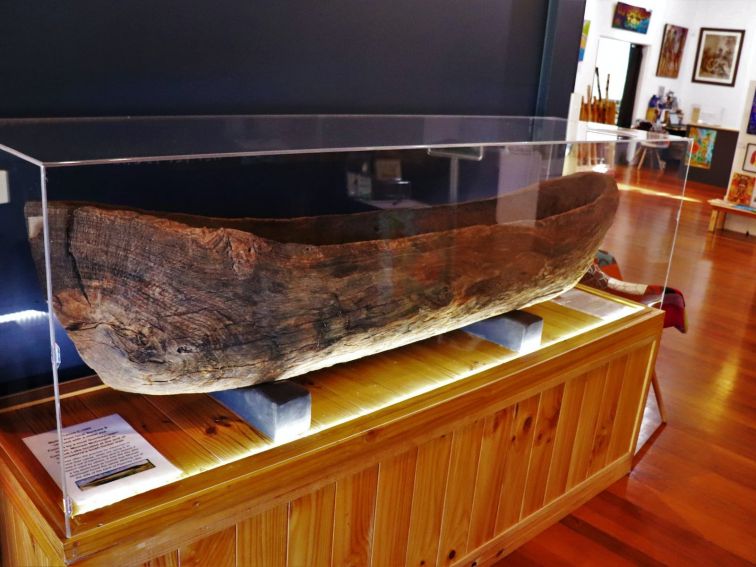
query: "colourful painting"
673, 43
702, 151
584, 39
632, 18
718, 56
749, 161
741, 189
752, 118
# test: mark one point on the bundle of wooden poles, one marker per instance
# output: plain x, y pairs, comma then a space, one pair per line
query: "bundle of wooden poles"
596, 109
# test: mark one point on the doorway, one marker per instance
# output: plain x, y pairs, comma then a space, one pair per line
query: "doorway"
616, 75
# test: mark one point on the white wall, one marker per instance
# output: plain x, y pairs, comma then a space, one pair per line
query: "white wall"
692, 14
612, 59
740, 223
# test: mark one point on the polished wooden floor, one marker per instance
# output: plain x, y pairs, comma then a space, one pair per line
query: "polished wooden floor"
691, 498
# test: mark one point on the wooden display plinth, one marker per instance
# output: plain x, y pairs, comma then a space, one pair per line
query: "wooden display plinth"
451, 451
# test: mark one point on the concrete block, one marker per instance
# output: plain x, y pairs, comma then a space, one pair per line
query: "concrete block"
279, 410
517, 330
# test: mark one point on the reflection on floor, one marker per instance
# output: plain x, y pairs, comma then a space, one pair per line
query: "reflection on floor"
691, 499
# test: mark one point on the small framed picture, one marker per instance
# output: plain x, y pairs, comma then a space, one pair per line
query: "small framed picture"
631, 18
670, 55
741, 189
718, 56
749, 161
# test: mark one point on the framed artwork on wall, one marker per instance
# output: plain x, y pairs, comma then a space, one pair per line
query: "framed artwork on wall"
631, 18
673, 43
749, 161
702, 150
751, 129
718, 56
741, 189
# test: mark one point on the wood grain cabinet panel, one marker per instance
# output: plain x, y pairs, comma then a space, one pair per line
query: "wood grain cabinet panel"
431, 474
549, 412
167, 560
17, 544
262, 539
354, 518
218, 549
396, 484
517, 463
491, 463
460, 491
311, 528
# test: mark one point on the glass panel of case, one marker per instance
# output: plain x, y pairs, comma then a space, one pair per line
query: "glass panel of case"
192, 255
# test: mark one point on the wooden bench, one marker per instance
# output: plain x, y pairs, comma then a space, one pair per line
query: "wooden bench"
720, 210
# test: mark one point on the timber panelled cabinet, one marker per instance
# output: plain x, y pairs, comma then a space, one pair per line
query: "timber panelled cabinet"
450, 451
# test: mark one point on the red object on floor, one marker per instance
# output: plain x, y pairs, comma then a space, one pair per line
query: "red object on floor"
605, 274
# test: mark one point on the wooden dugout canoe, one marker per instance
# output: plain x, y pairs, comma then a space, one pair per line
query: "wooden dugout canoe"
167, 303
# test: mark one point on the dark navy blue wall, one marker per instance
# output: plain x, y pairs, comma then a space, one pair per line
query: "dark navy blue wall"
90, 57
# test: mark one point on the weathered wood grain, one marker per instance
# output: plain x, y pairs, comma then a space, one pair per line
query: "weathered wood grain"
162, 304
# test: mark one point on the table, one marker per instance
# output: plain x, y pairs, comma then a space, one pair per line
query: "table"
720, 210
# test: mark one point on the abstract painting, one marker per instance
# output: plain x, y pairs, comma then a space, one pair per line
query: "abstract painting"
632, 18
741, 189
718, 56
673, 43
751, 129
702, 150
749, 161
584, 39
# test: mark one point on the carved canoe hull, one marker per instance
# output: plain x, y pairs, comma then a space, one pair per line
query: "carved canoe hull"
165, 303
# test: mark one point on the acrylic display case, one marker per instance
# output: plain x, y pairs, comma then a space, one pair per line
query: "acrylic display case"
151, 261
